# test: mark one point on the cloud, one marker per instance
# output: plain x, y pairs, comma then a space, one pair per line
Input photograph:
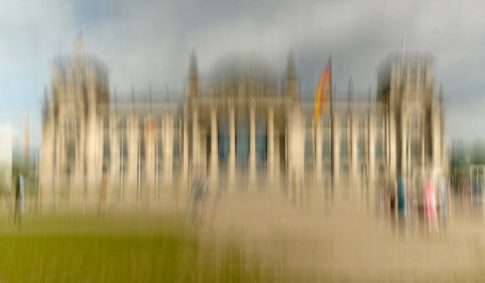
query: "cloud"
149, 42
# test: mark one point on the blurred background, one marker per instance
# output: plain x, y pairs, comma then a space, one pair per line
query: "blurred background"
256, 141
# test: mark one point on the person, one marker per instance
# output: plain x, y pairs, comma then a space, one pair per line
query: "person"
401, 197
380, 193
443, 195
103, 193
197, 198
19, 198
392, 195
430, 201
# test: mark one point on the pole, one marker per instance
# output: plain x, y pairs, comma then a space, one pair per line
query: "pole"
26, 143
332, 167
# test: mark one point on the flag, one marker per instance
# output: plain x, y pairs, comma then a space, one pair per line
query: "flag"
322, 94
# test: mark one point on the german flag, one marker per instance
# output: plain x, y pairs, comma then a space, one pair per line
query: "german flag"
323, 92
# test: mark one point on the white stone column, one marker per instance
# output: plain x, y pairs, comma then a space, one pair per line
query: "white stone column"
318, 171
46, 169
436, 137
232, 146
252, 145
132, 164
150, 138
79, 182
195, 142
392, 145
115, 155
92, 157
423, 158
185, 153
214, 161
371, 150
168, 153
353, 150
271, 147
403, 147
277, 161
336, 150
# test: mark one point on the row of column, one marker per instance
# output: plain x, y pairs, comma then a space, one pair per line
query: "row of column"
213, 168
197, 159
354, 150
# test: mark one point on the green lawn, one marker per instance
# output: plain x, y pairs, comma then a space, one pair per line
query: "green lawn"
119, 249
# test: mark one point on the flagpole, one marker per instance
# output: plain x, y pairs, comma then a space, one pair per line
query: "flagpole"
332, 167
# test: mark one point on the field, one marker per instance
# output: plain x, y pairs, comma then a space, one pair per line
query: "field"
249, 238
145, 248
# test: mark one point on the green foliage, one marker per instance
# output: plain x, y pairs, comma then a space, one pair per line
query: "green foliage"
478, 153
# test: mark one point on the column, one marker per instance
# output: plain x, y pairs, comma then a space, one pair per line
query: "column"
92, 157
150, 135
195, 141
354, 150
185, 152
277, 161
424, 164
46, 168
214, 159
232, 146
132, 165
403, 147
318, 172
115, 155
392, 145
371, 149
436, 137
271, 151
252, 145
168, 150
79, 182
336, 150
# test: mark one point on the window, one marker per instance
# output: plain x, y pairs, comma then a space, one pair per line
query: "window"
379, 151
344, 146
261, 143
379, 121
361, 146
327, 148
242, 143
177, 145
326, 120
308, 148
123, 151
361, 122
344, 122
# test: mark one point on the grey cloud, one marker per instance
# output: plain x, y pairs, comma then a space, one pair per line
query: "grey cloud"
149, 42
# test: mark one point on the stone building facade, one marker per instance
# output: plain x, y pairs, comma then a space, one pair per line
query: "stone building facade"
241, 128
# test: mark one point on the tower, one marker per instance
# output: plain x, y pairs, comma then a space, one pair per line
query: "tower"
72, 137
291, 83
192, 78
413, 114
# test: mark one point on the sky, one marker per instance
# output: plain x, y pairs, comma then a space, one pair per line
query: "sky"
148, 43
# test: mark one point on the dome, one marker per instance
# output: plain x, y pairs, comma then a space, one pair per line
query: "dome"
243, 76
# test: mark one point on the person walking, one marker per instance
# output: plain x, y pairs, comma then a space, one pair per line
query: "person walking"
198, 194
430, 202
19, 198
401, 196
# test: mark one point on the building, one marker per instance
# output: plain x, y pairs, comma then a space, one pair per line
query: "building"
242, 128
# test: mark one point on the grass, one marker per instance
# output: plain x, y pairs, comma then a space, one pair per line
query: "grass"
119, 249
